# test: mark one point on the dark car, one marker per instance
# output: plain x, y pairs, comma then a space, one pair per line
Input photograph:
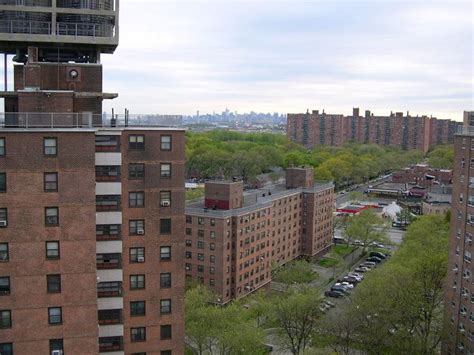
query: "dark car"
377, 254
374, 259
340, 289
350, 279
335, 294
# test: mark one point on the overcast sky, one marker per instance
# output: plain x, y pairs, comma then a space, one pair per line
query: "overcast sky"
177, 57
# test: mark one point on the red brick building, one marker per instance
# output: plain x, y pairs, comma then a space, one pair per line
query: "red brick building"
423, 175
91, 210
407, 132
459, 292
234, 238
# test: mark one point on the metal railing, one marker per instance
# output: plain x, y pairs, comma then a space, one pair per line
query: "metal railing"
62, 28
41, 3
89, 4
84, 120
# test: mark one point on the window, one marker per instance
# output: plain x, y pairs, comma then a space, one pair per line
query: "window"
137, 308
55, 315
165, 253
137, 255
107, 231
56, 344
212, 246
136, 199
188, 267
189, 231
200, 268
189, 219
136, 142
165, 352
51, 216
52, 250
50, 146
200, 244
53, 283
3, 217
212, 234
137, 282
165, 226
212, 222
212, 282
212, 258
165, 279
2, 146
5, 319
107, 143
165, 306
200, 233
189, 243
189, 255
200, 257
136, 227
107, 173
212, 270
165, 332
138, 334
4, 285
165, 198
50, 182
4, 255
108, 202
6, 348
165, 142
3, 182
165, 170
201, 220
136, 171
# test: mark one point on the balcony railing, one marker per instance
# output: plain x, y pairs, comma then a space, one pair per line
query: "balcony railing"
91, 4
109, 289
110, 316
41, 3
62, 28
109, 261
105, 203
84, 120
107, 344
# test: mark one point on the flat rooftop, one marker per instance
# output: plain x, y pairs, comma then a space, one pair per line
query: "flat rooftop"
254, 199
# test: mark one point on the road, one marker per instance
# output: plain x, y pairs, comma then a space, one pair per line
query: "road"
344, 198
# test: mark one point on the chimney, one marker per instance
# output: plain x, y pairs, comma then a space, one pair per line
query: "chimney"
355, 111
367, 113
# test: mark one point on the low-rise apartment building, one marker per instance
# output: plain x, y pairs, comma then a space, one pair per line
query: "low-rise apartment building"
234, 238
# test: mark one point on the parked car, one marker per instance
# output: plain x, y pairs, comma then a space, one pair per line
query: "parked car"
377, 254
358, 242
374, 259
362, 269
341, 289
348, 284
369, 263
357, 276
335, 294
329, 303
349, 279
344, 284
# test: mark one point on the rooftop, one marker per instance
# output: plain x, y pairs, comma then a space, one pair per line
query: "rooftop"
255, 199
438, 198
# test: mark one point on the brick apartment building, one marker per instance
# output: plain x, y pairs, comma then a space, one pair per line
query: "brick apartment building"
91, 211
459, 293
423, 175
407, 132
234, 238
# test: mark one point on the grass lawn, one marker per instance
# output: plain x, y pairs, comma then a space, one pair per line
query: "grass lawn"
342, 249
327, 262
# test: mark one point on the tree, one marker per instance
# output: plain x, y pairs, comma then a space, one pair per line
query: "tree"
398, 309
405, 216
367, 227
297, 315
356, 196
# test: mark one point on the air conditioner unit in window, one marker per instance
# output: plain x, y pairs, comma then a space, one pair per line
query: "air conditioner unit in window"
3, 223
141, 259
56, 352
140, 231
165, 203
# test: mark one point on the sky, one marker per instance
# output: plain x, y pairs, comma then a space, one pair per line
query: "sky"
287, 56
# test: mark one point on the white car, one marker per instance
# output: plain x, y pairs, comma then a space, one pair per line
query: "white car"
358, 277
344, 284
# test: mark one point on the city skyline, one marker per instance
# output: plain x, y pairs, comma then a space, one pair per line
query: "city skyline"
273, 57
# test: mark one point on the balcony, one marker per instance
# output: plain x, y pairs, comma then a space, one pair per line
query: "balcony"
107, 344
41, 3
107, 232
91, 4
29, 27
109, 289
106, 203
109, 261
110, 316
107, 173
107, 143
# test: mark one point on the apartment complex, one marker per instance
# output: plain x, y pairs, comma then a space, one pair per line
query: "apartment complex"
407, 132
91, 211
235, 238
459, 293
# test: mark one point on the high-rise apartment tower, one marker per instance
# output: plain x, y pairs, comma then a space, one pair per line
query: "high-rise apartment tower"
91, 210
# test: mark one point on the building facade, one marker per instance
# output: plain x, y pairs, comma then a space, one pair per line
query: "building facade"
91, 211
235, 238
459, 292
407, 132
